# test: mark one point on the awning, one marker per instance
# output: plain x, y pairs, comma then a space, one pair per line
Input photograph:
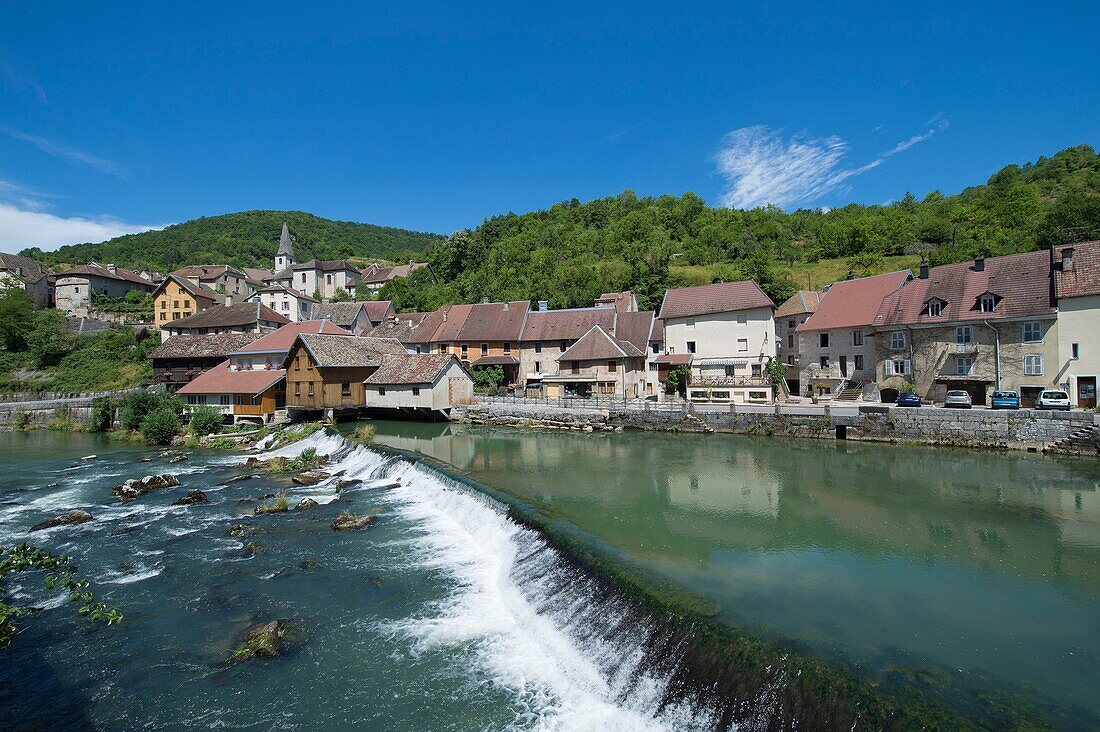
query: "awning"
496, 361
572, 379
955, 379
722, 362
676, 359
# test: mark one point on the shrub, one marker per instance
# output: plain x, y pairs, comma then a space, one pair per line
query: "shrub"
363, 434
206, 420
20, 420
160, 426
103, 414
133, 408
279, 505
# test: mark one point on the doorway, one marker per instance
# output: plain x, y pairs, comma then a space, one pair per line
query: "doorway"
844, 367
1086, 392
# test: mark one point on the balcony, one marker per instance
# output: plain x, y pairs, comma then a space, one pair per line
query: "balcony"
966, 348
816, 371
719, 381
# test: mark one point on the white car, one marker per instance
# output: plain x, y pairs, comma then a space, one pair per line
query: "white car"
957, 399
1052, 399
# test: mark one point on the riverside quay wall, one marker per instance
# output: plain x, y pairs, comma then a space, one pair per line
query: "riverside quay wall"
1024, 429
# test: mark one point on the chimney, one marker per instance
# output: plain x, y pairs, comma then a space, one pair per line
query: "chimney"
484, 301
544, 305
851, 274
506, 307
979, 263
924, 270
1067, 259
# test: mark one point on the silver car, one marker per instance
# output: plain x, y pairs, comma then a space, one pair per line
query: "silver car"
957, 399
1052, 399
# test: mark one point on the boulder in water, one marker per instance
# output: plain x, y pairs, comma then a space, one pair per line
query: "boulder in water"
265, 640
52, 485
306, 503
237, 479
135, 487
78, 516
310, 477
347, 484
195, 496
239, 530
348, 521
178, 458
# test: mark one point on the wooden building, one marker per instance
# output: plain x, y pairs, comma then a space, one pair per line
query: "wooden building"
242, 396
182, 358
325, 373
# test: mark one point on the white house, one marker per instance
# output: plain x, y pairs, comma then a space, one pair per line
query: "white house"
424, 383
293, 305
1077, 289
725, 334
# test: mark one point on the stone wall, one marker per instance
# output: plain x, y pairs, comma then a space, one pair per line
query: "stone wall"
1025, 429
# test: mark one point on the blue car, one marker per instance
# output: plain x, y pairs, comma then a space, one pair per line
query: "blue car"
909, 399
1005, 399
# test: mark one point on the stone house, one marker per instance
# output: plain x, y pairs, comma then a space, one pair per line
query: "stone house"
485, 334
725, 334
422, 384
598, 364
374, 276
318, 277
974, 326
75, 289
325, 373
836, 344
1076, 271
232, 283
291, 304
176, 298
28, 275
246, 317
792, 313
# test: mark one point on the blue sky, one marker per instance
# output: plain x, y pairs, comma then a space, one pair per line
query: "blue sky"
432, 117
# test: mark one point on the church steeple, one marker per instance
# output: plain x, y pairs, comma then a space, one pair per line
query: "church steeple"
284, 257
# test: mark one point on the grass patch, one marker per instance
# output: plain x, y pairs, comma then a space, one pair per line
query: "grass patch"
363, 434
279, 505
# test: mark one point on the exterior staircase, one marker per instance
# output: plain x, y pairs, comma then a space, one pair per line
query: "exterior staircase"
852, 391
1085, 441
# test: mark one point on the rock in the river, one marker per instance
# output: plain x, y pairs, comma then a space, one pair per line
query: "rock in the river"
239, 530
310, 477
347, 484
52, 485
266, 640
350, 522
237, 479
195, 496
78, 516
135, 487
305, 503
178, 458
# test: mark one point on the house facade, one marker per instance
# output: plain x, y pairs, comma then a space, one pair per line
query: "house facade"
1076, 271
318, 277
973, 326
794, 311
231, 283
181, 359
75, 289
725, 334
836, 344
325, 373
485, 334
28, 275
293, 305
246, 317
419, 383
176, 298
598, 365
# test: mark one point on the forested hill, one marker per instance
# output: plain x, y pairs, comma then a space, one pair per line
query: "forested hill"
246, 239
574, 251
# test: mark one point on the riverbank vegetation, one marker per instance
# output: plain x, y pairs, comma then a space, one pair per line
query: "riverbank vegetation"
574, 251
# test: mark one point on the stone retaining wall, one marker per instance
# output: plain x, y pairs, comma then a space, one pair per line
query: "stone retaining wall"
1027, 429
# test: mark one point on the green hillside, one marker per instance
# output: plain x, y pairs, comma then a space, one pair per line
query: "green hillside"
574, 251
246, 239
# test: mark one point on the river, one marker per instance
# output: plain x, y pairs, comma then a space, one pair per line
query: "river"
973, 575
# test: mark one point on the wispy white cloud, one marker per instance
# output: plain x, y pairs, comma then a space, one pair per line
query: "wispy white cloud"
616, 136
22, 228
18, 81
761, 168
71, 154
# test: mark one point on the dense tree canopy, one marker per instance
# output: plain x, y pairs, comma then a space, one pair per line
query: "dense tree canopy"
574, 251
246, 239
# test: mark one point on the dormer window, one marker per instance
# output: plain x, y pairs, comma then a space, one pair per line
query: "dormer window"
987, 303
934, 308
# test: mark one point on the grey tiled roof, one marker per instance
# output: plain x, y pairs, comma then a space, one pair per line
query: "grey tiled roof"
203, 346
345, 351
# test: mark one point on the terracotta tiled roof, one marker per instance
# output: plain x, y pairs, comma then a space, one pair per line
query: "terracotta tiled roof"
256, 275
228, 316
1021, 282
98, 270
622, 301
341, 313
349, 351
854, 303
425, 330
208, 271
675, 359
1084, 277
209, 345
281, 340
565, 325
454, 317
635, 328
411, 369
723, 297
195, 289
222, 380
496, 361
597, 345
803, 301
495, 321
378, 310
378, 273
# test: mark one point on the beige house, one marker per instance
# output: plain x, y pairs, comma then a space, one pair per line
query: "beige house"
428, 384
725, 334
232, 283
75, 289
293, 305
973, 326
792, 313
598, 365
1076, 269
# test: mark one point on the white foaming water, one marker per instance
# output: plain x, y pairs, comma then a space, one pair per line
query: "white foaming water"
139, 573
530, 637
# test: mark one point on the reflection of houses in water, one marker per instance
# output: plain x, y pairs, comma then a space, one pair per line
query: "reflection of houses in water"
735, 486
1080, 517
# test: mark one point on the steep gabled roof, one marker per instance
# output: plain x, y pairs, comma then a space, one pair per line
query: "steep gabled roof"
801, 302
195, 289
494, 321
454, 317
854, 303
635, 328
1022, 281
411, 369
565, 325
280, 341
25, 267
596, 345
95, 269
723, 297
256, 275
1084, 276
378, 310
223, 380
208, 271
228, 316
209, 345
341, 313
331, 351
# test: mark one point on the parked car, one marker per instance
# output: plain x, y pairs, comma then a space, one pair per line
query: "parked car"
1052, 399
957, 399
1005, 399
909, 399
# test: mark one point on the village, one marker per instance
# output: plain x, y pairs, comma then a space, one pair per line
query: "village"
1015, 331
